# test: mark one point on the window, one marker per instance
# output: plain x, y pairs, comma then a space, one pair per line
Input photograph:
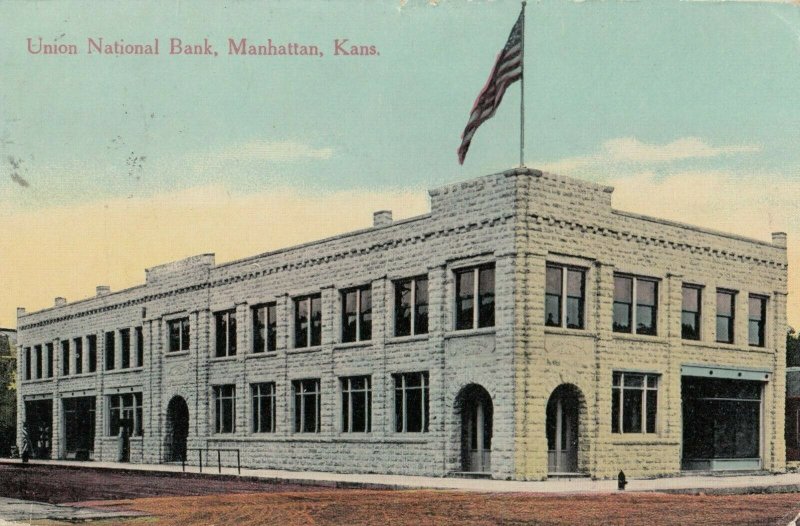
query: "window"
125, 343
471, 284
411, 307
356, 404
139, 347
757, 316
225, 408
357, 314
690, 312
634, 403
77, 344
178, 334
125, 411
263, 407
225, 327
28, 363
308, 321
564, 297
638, 317
49, 360
725, 315
306, 406
411, 402
38, 357
110, 351
265, 328
92, 341
64, 357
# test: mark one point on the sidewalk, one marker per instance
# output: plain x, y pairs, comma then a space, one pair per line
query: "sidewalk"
734, 484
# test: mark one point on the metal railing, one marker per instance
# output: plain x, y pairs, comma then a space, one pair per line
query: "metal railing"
208, 457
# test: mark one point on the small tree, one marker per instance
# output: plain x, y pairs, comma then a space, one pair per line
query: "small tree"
792, 348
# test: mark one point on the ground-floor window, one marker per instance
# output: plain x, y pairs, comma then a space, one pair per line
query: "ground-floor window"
721, 418
264, 407
792, 429
225, 408
125, 412
38, 427
356, 404
634, 402
306, 405
411, 406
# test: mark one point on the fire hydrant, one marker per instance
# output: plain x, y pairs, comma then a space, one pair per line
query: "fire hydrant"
621, 482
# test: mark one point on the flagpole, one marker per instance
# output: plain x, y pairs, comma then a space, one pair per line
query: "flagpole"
522, 95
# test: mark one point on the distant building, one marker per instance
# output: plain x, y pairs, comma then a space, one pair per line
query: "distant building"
8, 394
523, 328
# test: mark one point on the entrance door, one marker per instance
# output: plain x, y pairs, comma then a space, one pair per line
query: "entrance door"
177, 429
79, 426
38, 426
476, 429
562, 431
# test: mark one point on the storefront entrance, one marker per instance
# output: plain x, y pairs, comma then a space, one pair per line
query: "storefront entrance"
721, 423
79, 427
38, 426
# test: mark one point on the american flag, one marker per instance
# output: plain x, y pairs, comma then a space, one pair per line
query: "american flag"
507, 70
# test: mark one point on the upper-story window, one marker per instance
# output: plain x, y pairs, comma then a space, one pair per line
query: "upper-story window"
564, 297
411, 306
225, 330
179, 331
39, 372
139, 347
110, 350
91, 340
77, 345
475, 297
308, 321
726, 314
690, 312
49, 359
64, 357
357, 314
125, 343
757, 316
639, 316
265, 328
28, 364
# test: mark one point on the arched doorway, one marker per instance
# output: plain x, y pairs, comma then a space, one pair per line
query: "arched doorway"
177, 430
562, 430
474, 405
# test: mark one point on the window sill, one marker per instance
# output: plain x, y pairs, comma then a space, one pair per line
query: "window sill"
642, 439
37, 381
114, 438
126, 370
470, 332
570, 332
301, 350
407, 339
639, 337
365, 438
264, 354
81, 375
170, 354
217, 359
727, 346
352, 345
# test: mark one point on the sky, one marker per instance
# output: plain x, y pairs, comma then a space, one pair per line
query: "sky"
111, 164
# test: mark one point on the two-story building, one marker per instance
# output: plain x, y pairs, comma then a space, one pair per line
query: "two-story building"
522, 328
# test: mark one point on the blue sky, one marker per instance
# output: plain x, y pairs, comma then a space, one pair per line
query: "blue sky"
654, 97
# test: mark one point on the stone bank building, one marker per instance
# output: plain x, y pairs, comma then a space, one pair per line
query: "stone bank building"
523, 328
